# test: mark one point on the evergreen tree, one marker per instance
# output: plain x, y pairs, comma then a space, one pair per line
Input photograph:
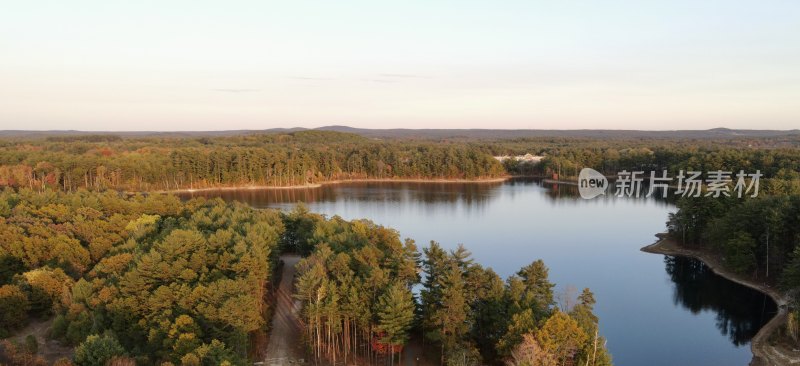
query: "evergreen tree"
395, 315
593, 352
539, 289
449, 318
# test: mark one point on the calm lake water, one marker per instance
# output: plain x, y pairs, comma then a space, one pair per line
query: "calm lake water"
653, 309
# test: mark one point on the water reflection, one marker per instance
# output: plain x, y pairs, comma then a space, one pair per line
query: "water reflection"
740, 311
471, 195
568, 192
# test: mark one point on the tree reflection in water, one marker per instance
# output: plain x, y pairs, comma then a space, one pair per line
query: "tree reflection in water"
741, 311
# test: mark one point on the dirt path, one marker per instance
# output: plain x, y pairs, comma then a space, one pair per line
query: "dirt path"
414, 355
50, 349
286, 335
763, 352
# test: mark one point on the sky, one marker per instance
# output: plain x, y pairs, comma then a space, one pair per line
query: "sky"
220, 65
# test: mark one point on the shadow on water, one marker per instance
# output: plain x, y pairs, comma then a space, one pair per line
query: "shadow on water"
740, 311
568, 192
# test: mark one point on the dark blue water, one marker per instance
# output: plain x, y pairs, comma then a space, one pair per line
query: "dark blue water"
654, 310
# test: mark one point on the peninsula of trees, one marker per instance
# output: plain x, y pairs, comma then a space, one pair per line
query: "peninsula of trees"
109, 162
151, 280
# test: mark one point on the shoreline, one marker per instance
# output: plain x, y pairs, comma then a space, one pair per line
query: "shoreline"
763, 352
337, 181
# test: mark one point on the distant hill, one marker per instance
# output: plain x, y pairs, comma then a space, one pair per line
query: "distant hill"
522, 133
54, 133
402, 133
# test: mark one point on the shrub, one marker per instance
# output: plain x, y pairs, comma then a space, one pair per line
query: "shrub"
97, 350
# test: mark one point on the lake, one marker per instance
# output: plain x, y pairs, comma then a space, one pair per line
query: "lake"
653, 309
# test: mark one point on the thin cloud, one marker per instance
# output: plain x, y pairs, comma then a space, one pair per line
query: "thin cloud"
405, 76
237, 90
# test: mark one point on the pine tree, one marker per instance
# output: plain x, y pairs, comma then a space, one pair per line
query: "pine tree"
431, 293
537, 284
593, 352
395, 315
449, 319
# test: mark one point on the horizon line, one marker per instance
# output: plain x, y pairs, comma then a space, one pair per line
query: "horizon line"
298, 128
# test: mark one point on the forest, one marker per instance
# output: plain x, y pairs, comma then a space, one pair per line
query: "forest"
464, 312
130, 276
136, 164
150, 280
566, 157
307, 157
144, 278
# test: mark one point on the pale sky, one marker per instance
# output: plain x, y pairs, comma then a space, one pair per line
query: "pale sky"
219, 65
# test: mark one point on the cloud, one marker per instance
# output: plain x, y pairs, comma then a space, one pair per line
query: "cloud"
237, 90
405, 76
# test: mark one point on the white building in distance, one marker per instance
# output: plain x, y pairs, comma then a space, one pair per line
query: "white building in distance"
527, 158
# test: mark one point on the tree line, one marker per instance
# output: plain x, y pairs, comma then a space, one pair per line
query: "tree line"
780, 166
100, 162
759, 237
305, 157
